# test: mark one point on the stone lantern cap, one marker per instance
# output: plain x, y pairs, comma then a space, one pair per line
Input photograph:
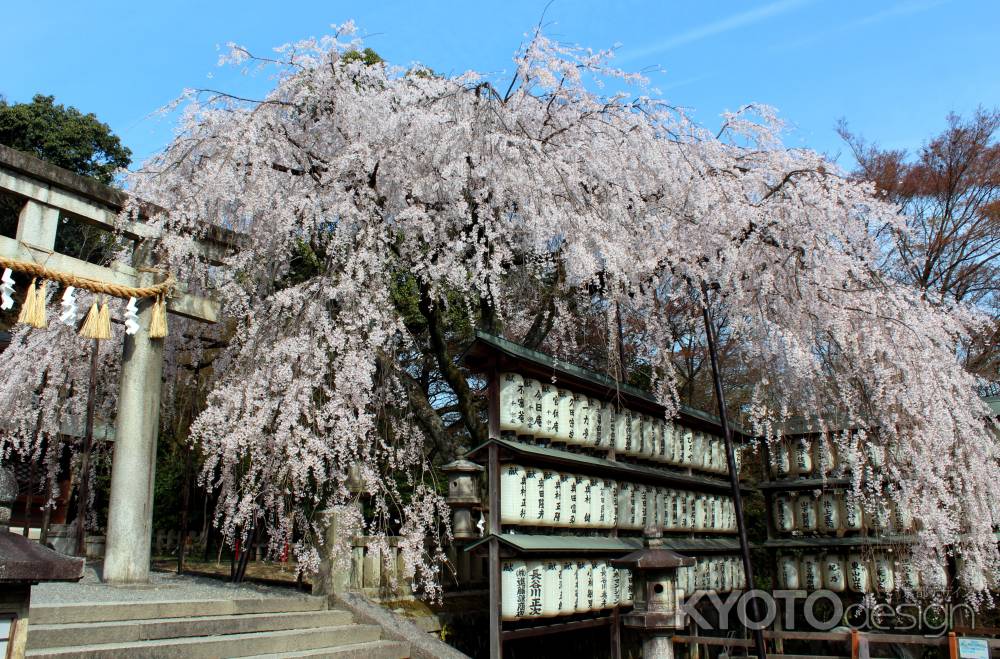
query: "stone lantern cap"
653, 559
23, 561
461, 465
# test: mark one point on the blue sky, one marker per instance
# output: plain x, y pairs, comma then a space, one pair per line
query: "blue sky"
893, 68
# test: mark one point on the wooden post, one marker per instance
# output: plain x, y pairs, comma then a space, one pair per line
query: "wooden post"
493, 479
88, 439
952, 645
734, 477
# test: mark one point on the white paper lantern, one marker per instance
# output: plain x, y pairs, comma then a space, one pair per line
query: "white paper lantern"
698, 450
611, 504
623, 432
534, 496
803, 456
834, 573
811, 572
660, 440
878, 519
669, 510
884, 578
551, 487
687, 447
533, 421
600, 577
638, 507
550, 413
585, 501
737, 459
584, 586
584, 486
829, 512
593, 419
635, 425
824, 458
513, 590
907, 576
609, 419
626, 499
513, 491
782, 459
857, 574
661, 508
902, 520
561, 429
598, 503
851, 514
692, 510
784, 515
567, 494
615, 586
671, 442
806, 508
512, 417
533, 584
626, 587
719, 456
700, 514
551, 587
579, 433
649, 448
567, 586
652, 511
788, 572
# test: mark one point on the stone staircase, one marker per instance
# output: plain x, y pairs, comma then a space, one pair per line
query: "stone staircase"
297, 626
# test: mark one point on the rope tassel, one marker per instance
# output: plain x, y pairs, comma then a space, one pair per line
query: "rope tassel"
33, 310
97, 324
158, 322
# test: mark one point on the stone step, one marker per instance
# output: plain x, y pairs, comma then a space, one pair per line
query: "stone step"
126, 631
372, 650
228, 645
80, 612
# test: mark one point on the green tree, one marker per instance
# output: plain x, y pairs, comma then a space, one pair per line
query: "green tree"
63, 136
66, 137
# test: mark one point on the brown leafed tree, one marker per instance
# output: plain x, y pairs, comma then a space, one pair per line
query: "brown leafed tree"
949, 192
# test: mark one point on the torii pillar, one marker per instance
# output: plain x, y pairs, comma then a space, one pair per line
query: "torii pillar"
133, 473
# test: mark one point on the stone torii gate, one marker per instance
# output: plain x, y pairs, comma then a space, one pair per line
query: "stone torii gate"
52, 194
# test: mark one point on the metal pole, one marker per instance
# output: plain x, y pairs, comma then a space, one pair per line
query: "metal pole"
734, 478
88, 438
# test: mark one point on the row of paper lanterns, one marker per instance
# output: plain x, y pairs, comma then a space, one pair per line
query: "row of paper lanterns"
561, 586
530, 496
712, 573
855, 573
805, 457
545, 412
834, 511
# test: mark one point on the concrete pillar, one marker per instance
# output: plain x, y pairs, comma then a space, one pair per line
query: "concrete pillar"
130, 511
37, 225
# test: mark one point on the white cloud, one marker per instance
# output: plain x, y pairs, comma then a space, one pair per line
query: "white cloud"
712, 29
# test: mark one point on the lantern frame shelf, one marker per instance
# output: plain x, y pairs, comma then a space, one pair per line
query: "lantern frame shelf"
589, 465
822, 542
796, 484
491, 356
531, 545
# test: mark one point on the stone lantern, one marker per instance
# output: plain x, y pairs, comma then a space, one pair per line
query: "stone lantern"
463, 496
22, 564
654, 613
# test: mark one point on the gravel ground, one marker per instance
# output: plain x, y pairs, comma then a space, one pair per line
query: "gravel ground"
162, 586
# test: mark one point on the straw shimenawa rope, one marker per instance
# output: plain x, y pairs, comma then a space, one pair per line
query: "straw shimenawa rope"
97, 324
117, 290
